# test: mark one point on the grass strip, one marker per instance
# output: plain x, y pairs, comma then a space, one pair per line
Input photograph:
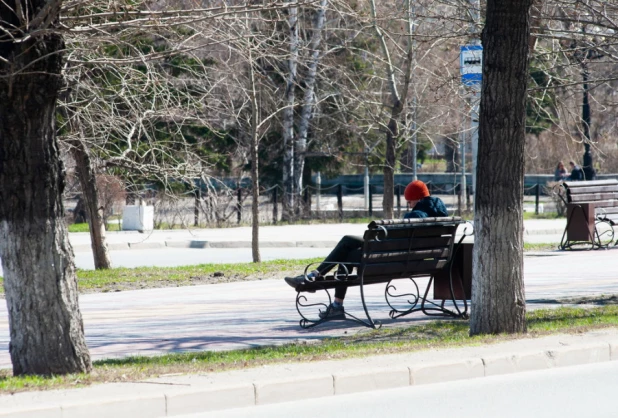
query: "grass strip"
118, 279
537, 247
439, 334
144, 277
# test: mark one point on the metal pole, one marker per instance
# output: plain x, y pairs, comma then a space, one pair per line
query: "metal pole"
586, 120
462, 141
399, 200
414, 138
413, 126
340, 201
366, 179
318, 184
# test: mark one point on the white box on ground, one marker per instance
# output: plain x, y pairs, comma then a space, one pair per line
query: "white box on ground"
138, 218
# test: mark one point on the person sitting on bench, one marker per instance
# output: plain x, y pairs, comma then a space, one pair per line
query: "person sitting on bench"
349, 248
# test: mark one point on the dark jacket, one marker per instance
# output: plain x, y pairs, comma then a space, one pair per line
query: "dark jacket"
428, 207
577, 174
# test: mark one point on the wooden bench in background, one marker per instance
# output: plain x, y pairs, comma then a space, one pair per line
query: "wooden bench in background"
403, 250
589, 205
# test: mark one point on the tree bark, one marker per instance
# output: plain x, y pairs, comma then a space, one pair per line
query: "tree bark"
45, 324
392, 133
498, 298
308, 99
288, 118
96, 223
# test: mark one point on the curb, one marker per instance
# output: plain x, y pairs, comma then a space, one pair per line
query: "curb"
211, 397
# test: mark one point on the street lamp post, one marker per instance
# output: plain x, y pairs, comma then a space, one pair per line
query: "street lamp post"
589, 173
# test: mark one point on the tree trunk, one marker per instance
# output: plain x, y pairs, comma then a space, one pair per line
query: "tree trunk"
255, 205
498, 298
398, 102
45, 324
255, 179
389, 164
288, 119
451, 155
308, 100
96, 223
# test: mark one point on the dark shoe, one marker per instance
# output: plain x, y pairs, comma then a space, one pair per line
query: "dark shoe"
333, 312
298, 281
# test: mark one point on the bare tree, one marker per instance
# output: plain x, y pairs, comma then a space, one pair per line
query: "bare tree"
308, 102
46, 329
96, 217
288, 115
498, 297
398, 97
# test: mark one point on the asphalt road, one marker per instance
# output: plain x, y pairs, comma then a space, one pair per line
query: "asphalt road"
572, 392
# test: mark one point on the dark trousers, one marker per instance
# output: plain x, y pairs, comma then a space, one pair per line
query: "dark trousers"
348, 250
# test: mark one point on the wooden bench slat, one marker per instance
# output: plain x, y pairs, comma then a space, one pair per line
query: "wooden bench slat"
600, 203
595, 189
589, 183
395, 256
403, 269
594, 197
432, 231
422, 222
405, 244
607, 210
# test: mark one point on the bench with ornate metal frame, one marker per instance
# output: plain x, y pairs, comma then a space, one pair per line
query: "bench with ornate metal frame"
395, 250
589, 205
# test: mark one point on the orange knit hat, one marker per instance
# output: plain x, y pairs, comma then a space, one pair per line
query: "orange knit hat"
416, 191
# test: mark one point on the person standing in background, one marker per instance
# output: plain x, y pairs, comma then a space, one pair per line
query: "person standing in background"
577, 174
561, 172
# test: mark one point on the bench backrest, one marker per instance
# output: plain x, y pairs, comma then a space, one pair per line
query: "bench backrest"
397, 248
603, 193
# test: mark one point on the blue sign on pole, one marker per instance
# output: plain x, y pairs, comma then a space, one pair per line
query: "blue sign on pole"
471, 64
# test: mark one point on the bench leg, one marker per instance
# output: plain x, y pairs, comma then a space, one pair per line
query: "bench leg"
439, 310
370, 323
412, 299
303, 304
604, 239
